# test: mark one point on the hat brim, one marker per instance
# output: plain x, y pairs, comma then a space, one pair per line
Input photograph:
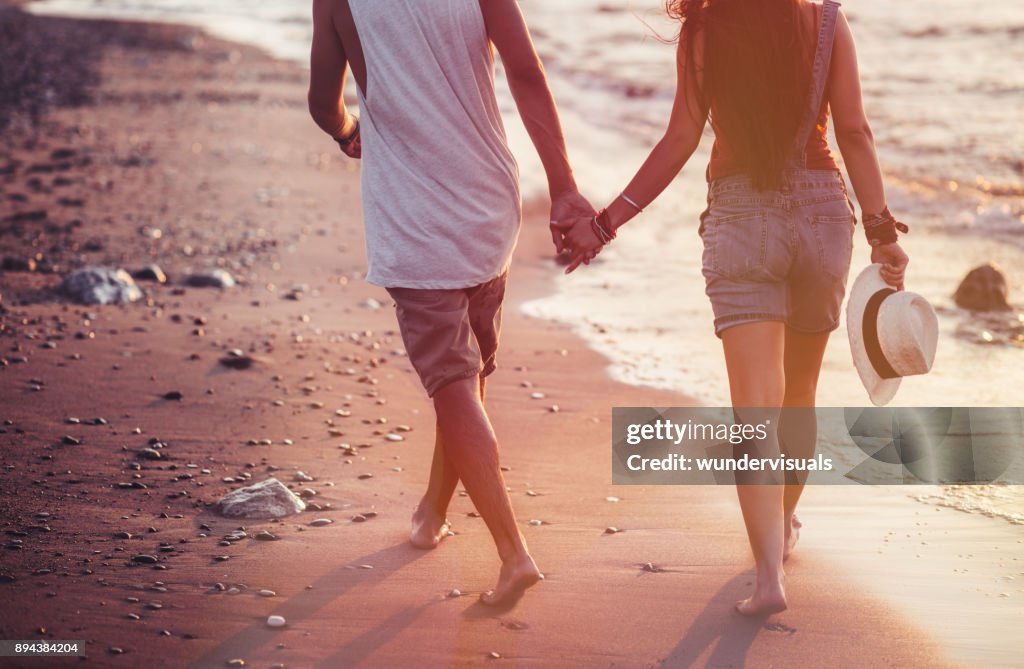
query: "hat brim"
881, 391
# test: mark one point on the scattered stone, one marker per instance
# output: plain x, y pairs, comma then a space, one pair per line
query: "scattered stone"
13, 264
145, 559
983, 289
174, 396
239, 361
395, 437
494, 655
303, 476
123, 535
266, 499
237, 662
611, 530
320, 522
68, 440
150, 273
268, 593
453, 593
537, 396
214, 278
275, 621
264, 535
151, 454
115, 650
100, 285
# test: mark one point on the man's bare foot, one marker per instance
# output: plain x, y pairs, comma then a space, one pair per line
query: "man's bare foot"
516, 576
428, 529
792, 536
765, 600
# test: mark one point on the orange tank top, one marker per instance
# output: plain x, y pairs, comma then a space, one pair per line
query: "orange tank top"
726, 160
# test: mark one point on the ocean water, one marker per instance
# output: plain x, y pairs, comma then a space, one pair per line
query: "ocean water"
943, 87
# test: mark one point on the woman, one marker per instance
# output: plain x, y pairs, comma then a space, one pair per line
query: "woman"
778, 229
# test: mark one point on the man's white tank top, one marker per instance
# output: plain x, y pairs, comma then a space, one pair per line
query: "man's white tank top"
440, 187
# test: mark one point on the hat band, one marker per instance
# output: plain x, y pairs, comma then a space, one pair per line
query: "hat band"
870, 328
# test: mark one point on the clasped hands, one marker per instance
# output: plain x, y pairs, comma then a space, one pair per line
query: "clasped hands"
571, 230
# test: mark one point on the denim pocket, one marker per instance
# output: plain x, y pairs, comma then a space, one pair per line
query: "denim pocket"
834, 238
753, 246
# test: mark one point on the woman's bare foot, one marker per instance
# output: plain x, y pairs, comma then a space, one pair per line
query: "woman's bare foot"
428, 529
792, 536
767, 599
516, 576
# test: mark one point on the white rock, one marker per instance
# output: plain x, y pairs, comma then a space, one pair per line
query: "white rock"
275, 621
214, 278
266, 499
100, 285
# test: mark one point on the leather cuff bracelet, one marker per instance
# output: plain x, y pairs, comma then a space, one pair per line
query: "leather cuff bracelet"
881, 229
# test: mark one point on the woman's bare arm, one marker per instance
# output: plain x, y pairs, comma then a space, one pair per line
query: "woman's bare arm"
857, 144
853, 132
667, 158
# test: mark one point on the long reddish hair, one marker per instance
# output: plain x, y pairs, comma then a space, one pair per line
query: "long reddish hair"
755, 77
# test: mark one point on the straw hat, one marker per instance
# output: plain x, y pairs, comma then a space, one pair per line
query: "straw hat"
892, 334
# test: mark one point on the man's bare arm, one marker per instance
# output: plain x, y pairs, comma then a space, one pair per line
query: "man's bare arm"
507, 30
328, 70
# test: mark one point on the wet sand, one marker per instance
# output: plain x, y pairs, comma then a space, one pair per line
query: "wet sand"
191, 153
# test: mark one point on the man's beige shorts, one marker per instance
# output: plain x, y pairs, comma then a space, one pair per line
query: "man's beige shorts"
450, 334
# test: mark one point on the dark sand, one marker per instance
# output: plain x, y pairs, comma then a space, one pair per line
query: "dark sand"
170, 147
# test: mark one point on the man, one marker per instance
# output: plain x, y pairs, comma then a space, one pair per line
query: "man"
442, 212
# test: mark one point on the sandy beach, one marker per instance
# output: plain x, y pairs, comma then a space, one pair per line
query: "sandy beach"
161, 145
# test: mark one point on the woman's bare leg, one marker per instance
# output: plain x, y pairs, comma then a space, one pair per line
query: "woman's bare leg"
754, 359
798, 430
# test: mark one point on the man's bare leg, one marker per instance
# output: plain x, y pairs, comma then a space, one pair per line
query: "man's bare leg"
430, 520
472, 449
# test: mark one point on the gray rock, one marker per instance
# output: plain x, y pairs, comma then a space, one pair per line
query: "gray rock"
100, 285
983, 289
266, 499
213, 278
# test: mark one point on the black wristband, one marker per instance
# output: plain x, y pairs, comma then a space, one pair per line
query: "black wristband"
345, 142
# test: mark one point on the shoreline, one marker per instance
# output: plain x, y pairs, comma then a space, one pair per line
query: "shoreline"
281, 176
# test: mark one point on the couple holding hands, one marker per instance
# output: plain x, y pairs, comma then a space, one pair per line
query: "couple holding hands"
442, 211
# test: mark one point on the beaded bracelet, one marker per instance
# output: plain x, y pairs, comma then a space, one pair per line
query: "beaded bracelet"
602, 227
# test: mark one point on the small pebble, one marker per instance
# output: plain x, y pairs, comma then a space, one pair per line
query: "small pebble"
275, 621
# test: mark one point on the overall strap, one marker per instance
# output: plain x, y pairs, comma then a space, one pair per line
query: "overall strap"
819, 78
